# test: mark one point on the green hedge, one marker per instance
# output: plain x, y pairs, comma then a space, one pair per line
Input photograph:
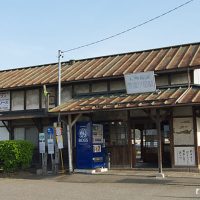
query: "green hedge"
15, 154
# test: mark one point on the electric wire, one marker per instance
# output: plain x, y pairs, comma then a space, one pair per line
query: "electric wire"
130, 29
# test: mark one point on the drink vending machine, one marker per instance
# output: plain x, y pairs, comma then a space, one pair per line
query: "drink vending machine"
90, 146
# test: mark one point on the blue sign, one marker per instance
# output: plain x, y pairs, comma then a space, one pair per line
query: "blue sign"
50, 131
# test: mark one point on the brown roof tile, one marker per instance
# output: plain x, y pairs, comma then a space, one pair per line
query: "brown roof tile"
162, 59
165, 97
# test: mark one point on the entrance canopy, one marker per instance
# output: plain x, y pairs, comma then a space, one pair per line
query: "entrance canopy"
162, 98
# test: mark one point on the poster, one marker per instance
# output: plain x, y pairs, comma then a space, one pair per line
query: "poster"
96, 148
184, 156
58, 131
183, 131
97, 130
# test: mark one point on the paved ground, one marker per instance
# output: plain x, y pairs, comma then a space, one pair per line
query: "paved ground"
115, 185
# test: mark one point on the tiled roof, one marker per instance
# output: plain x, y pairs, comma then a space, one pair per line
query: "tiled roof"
162, 98
162, 59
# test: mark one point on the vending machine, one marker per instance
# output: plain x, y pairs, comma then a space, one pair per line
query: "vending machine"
90, 146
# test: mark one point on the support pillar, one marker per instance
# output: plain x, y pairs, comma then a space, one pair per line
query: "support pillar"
160, 175
130, 140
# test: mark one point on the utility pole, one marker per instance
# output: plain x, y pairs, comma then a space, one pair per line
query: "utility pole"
59, 76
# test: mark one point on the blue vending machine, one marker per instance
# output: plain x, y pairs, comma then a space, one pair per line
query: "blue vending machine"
90, 146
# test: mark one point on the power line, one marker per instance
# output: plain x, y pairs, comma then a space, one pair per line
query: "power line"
130, 29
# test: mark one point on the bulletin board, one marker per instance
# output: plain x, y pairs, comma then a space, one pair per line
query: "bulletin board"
184, 156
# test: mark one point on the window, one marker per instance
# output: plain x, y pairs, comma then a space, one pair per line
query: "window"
81, 89
66, 93
162, 80
99, 87
180, 78
118, 133
117, 85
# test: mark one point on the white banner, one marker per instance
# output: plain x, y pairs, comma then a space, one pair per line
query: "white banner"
140, 82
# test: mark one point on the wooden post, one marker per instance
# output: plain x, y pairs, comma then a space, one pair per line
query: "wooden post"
195, 137
171, 138
159, 140
129, 139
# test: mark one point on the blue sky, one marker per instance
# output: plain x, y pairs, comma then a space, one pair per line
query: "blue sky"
33, 31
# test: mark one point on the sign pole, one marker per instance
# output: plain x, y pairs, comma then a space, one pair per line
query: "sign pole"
61, 156
69, 144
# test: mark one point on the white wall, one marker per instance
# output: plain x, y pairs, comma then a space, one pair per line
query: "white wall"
197, 76
4, 134
198, 130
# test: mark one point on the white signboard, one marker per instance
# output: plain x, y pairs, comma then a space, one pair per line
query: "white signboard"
50, 146
42, 142
140, 82
4, 101
42, 147
184, 156
59, 141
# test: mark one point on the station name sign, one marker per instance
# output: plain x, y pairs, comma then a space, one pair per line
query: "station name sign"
140, 82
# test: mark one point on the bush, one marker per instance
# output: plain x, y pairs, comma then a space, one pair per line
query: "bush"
15, 154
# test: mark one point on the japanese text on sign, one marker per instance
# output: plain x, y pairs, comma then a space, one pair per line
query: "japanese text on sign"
140, 82
184, 156
4, 101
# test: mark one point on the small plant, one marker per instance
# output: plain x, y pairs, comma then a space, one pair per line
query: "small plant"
15, 154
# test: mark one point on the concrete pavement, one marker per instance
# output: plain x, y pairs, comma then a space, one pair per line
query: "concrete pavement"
115, 185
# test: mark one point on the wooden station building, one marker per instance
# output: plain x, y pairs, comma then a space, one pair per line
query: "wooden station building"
94, 89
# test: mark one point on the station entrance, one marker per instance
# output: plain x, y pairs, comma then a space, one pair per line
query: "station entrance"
140, 146
145, 141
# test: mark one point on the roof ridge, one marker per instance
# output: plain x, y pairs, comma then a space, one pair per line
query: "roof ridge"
103, 56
